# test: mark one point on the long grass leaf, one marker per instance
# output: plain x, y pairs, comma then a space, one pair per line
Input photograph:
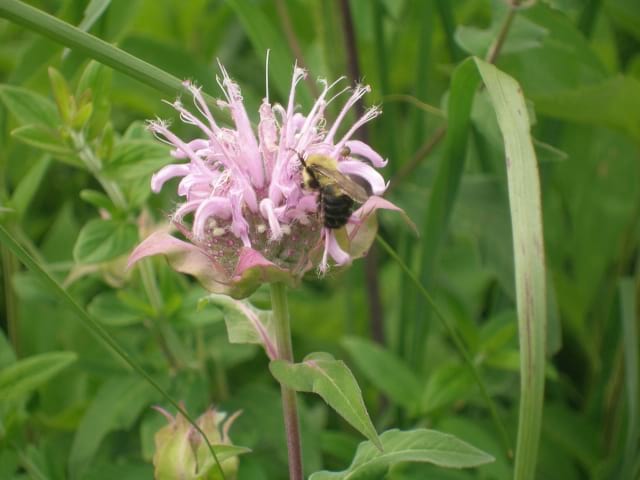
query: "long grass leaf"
528, 246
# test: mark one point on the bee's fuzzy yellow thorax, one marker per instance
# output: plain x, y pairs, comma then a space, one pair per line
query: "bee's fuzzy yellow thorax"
322, 161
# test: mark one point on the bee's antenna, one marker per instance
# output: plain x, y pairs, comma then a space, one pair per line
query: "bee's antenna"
300, 157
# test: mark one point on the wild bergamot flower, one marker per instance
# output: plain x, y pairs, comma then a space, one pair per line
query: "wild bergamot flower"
245, 214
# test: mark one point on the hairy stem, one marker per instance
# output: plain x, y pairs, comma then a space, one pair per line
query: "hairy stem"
285, 352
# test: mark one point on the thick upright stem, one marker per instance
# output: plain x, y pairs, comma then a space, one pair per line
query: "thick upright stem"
285, 352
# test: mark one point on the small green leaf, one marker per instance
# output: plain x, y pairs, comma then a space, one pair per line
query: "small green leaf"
92, 13
82, 116
426, 446
132, 159
97, 199
62, 95
331, 379
96, 79
109, 309
26, 375
384, 370
101, 240
43, 138
29, 107
245, 323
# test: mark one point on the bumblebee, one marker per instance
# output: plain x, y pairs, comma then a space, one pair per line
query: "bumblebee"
337, 193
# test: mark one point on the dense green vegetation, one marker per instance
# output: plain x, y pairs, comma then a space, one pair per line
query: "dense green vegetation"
454, 329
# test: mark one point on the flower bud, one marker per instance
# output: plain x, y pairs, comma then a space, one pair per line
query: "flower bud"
182, 453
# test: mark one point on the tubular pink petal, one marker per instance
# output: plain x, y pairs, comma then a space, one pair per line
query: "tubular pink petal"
374, 203
248, 144
166, 173
339, 256
217, 207
267, 210
368, 173
369, 115
185, 209
363, 150
357, 94
194, 145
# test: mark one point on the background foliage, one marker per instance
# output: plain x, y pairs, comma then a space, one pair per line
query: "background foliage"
70, 409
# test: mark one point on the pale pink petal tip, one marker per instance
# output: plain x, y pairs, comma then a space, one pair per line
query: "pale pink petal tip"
374, 203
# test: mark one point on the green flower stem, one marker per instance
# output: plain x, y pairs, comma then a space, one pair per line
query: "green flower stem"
285, 352
162, 330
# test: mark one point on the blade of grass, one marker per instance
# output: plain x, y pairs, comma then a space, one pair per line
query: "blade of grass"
629, 319
75, 39
457, 341
528, 246
95, 327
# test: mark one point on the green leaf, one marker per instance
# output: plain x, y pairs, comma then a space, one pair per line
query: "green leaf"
614, 102
245, 323
116, 406
62, 95
426, 446
109, 309
447, 384
385, 370
133, 159
96, 78
24, 376
29, 107
524, 202
101, 240
331, 379
97, 199
43, 138
30, 184
92, 13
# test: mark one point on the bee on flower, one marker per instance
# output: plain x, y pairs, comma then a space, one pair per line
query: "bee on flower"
271, 203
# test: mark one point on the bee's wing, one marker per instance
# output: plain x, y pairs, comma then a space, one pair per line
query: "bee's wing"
347, 185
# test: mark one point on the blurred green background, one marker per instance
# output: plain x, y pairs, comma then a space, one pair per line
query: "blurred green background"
578, 63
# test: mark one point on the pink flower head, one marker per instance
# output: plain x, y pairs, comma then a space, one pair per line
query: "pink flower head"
245, 213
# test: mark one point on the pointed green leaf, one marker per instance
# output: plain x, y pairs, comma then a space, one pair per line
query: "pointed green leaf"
132, 159
29, 107
331, 379
101, 240
62, 94
245, 323
385, 370
426, 446
26, 375
42, 138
